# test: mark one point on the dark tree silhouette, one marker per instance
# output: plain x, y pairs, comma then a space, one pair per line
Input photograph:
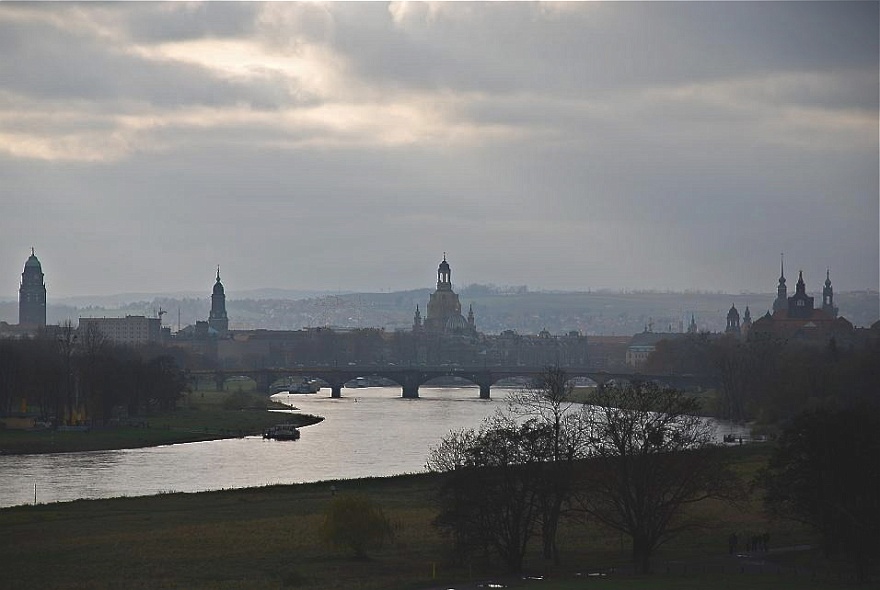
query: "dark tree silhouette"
548, 401
490, 498
824, 473
652, 456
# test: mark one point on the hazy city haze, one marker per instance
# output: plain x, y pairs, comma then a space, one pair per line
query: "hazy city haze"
348, 145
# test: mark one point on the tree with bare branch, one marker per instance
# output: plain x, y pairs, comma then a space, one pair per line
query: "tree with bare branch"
652, 456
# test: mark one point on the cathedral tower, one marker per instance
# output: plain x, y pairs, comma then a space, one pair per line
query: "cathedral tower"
732, 321
828, 296
781, 301
218, 319
32, 294
800, 305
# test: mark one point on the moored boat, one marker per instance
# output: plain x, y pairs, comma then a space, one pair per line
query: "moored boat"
282, 432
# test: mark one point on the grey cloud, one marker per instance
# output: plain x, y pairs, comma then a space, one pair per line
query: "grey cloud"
181, 21
603, 180
606, 46
68, 66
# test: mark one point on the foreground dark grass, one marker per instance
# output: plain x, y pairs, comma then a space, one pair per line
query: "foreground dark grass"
270, 538
203, 415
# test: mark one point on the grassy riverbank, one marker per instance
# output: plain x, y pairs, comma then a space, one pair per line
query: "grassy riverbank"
201, 415
269, 538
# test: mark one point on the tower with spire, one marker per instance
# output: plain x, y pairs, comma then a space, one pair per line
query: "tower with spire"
218, 319
417, 320
800, 305
799, 320
32, 294
828, 296
781, 301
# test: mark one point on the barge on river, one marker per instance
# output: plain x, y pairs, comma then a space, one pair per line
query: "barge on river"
282, 432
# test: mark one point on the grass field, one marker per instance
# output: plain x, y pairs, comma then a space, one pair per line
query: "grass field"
269, 538
201, 415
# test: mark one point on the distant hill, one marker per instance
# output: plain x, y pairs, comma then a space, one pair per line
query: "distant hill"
496, 309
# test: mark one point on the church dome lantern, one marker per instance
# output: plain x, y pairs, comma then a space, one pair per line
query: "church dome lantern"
444, 276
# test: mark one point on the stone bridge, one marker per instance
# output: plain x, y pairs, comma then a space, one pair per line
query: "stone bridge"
411, 377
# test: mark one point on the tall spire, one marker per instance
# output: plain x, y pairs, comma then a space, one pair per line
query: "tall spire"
781, 301
828, 296
218, 319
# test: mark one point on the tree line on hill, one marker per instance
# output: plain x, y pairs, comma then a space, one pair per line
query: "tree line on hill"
72, 378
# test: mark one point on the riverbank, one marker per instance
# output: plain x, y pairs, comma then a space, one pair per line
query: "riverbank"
200, 416
269, 537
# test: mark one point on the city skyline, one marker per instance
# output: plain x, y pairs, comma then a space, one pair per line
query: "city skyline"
345, 147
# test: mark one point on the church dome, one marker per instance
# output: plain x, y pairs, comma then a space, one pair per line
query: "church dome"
218, 286
32, 261
456, 322
733, 313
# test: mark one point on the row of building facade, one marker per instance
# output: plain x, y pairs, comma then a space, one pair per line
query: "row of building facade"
443, 336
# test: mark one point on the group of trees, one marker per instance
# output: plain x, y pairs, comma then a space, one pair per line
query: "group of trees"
70, 377
772, 380
634, 457
513, 479
824, 473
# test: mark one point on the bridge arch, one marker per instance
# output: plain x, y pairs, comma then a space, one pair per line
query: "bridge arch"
410, 378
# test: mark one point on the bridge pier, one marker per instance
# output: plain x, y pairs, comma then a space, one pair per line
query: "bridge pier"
264, 382
335, 390
410, 391
484, 391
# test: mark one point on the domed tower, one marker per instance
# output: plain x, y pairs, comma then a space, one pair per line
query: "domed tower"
218, 319
828, 296
781, 301
732, 321
444, 308
32, 294
444, 276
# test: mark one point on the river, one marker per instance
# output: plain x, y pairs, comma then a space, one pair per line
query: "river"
368, 432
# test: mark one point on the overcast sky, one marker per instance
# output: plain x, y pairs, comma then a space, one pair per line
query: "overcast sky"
347, 146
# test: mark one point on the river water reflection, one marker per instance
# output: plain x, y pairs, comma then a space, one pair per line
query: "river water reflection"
368, 432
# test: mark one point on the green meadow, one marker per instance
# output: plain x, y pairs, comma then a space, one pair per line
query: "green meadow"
200, 415
270, 537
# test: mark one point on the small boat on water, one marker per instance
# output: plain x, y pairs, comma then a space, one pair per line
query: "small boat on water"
282, 432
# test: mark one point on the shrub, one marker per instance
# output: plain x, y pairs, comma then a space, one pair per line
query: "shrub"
356, 522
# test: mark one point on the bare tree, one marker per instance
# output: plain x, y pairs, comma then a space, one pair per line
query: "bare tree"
549, 402
652, 456
67, 344
489, 495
